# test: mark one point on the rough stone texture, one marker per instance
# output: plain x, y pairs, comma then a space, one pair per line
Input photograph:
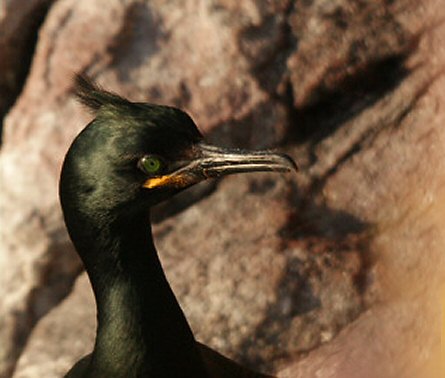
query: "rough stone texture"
354, 89
19, 22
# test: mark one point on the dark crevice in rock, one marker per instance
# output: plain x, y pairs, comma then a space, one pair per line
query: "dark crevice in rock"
351, 97
20, 56
369, 135
292, 115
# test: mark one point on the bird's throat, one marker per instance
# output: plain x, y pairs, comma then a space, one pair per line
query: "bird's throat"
142, 330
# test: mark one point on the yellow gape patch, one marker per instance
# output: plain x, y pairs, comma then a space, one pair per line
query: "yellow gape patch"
176, 181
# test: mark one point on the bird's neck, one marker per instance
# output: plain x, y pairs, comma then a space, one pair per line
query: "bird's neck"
142, 330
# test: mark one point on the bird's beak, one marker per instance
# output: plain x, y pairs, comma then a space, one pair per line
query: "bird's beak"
210, 162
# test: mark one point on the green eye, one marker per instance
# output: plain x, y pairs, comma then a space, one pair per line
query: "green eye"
150, 164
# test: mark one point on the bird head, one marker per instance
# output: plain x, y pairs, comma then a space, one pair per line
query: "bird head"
135, 155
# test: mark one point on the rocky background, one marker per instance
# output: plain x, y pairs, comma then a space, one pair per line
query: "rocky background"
338, 271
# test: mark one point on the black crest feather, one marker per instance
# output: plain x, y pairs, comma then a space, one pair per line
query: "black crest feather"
90, 94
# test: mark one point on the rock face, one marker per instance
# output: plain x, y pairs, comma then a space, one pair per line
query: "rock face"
335, 272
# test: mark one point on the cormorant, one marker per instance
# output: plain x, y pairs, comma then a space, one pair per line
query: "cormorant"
129, 158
